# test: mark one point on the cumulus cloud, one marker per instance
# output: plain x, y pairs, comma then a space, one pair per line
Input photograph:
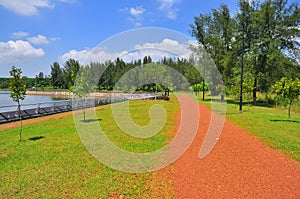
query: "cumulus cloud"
26, 8
18, 35
169, 8
165, 48
172, 46
137, 11
135, 15
29, 7
39, 39
18, 51
90, 55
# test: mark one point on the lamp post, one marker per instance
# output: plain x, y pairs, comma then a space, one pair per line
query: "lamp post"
203, 86
242, 70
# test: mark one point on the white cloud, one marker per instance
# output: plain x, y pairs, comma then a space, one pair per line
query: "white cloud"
138, 24
169, 8
26, 8
39, 39
166, 4
137, 11
135, 15
18, 51
54, 39
89, 55
172, 46
29, 7
67, 1
18, 35
165, 48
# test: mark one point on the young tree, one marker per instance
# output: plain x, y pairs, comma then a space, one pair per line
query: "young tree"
288, 89
82, 86
18, 90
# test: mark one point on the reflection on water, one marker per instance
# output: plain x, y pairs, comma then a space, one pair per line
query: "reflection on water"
6, 100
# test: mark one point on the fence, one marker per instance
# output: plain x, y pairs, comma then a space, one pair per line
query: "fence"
49, 108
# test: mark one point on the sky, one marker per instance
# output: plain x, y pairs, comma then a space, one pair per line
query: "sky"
36, 33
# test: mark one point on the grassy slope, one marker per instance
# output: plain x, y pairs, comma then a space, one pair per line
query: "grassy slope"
59, 166
270, 125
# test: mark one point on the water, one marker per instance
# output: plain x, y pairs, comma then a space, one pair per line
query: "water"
6, 100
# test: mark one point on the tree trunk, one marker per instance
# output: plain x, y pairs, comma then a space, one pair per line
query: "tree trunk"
289, 112
20, 117
83, 114
84, 109
155, 91
254, 91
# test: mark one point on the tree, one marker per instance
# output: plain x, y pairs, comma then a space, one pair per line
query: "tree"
288, 89
269, 29
82, 86
199, 87
56, 75
70, 70
18, 90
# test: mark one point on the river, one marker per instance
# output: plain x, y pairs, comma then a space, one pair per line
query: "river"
6, 100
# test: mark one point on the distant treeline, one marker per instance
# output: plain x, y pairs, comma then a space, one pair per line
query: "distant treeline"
107, 74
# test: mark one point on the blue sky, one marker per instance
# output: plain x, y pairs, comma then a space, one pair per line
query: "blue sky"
35, 33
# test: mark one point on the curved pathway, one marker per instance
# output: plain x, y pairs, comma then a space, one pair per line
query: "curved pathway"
239, 166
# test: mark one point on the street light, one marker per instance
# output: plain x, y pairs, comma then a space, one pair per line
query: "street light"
242, 70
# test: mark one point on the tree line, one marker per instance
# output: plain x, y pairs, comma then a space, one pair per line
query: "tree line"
263, 36
104, 76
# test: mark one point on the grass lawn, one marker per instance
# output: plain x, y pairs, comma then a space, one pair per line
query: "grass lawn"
270, 125
51, 161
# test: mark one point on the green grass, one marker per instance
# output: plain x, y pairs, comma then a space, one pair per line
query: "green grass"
51, 161
270, 125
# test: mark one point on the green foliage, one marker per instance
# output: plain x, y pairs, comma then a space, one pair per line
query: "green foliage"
268, 29
82, 86
4, 83
288, 89
82, 83
200, 87
16, 86
56, 75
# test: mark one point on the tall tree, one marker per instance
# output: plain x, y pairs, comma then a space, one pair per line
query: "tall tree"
70, 70
56, 75
215, 32
269, 29
18, 91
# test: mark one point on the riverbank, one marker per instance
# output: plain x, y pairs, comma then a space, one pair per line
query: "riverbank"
52, 93
69, 95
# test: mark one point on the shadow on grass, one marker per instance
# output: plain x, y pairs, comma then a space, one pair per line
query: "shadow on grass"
36, 138
258, 103
90, 120
292, 121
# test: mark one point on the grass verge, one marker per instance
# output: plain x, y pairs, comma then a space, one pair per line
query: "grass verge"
269, 124
51, 161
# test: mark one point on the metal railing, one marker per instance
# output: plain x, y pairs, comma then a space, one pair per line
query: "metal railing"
48, 108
